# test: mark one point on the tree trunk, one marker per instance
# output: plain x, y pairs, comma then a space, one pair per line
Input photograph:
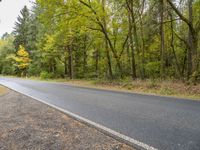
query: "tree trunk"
143, 48
129, 67
135, 33
193, 43
97, 63
114, 52
173, 48
190, 41
65, 62
66, 67
134, 76
106, 44
85, 57
184, 62
104, 31
70, 59
162, 40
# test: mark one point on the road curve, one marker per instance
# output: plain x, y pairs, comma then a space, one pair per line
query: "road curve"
164, 123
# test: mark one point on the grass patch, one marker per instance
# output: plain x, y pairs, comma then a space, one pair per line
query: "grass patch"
167, 91
154, 87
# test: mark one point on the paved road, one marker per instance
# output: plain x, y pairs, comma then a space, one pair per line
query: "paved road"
164, 123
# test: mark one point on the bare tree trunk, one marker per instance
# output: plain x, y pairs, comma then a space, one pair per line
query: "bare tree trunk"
184, 62
70, 59
97, 63
129, 67
85, 56
162, 40
65, 65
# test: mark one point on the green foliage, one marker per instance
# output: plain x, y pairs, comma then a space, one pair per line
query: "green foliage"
102, 40
195, 78
153, 69
45, 75
22, 28
8, 70
6, 52
33, 70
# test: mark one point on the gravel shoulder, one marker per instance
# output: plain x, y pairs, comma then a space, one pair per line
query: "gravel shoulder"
28, 124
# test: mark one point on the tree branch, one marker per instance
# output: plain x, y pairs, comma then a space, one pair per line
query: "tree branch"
179, 13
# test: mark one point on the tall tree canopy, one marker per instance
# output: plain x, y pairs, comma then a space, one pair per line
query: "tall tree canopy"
21, 28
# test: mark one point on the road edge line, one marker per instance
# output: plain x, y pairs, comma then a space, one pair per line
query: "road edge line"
114, 134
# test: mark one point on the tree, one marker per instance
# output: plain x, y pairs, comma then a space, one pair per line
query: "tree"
21, 29
162, 39
131, 19
192, 43
22, 60
6, 50
110, 39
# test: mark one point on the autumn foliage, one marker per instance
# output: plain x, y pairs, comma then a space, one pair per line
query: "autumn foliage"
22, 60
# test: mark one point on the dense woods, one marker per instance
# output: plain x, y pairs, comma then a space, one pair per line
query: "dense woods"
105, 39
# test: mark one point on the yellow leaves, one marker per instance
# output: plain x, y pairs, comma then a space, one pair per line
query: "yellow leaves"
49, 43
22, 59
23, 66
22, 52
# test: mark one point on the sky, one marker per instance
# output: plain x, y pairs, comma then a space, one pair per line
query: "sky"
9, 10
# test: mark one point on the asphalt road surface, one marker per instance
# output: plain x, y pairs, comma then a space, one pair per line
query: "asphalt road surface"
161, 122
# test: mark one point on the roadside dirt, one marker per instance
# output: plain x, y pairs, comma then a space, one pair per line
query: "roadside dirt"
29, 124
3, 90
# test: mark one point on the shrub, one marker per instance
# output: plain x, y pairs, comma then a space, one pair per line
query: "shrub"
194, 78
45, 75
33, 70
152, 84
8, 70
153, 69
167, 91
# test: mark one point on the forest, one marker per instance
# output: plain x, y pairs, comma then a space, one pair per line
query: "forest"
105, 39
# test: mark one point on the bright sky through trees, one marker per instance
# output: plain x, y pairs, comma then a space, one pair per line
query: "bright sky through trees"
9, 10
